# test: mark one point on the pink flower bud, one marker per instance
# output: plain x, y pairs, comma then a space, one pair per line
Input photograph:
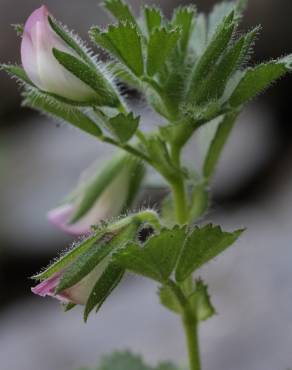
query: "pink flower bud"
109, 204
77, 294
119, 190
40, 64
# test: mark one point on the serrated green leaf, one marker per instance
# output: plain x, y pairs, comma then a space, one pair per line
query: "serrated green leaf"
217, 144
124, 42
202, 245
105, 92
71, 41
69, 256
169, 299
157, 258
200, 302
153, 18
108, 281
120, 10
161, 43
257, 79
211, 55
47, 104
184, 18
17, 72
124, 126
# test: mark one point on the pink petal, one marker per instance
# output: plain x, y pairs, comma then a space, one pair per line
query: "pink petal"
61, 216
39, 15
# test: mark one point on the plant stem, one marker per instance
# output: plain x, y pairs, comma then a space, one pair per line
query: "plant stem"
190, 323
191, 333
179, 197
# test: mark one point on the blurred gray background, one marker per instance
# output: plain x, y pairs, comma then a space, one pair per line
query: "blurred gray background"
250, 285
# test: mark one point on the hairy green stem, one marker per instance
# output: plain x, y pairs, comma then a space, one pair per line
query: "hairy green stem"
190, 323
191, 333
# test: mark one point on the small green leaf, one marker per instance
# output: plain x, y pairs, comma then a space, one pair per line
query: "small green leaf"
137, 173
85, 263
124, 42
200, 302
53, 107
217, 144
213, 52
105, 92
120, 11
199, 36
109, 279
184, 18
153, 18
199, 202
202, 245
122, 361
69, 256
161, 44
18, 28
159, 154
217, 15
124, 126
213, 86
257, 79
17, 72
100, 251
72, 41
157, 258
122, 73
169, 299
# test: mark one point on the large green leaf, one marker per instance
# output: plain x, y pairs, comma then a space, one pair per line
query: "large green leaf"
124, 126
157, 258
161, 43
124, 42
202, 245
257, 79
47, 104
109, 279
105, 92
